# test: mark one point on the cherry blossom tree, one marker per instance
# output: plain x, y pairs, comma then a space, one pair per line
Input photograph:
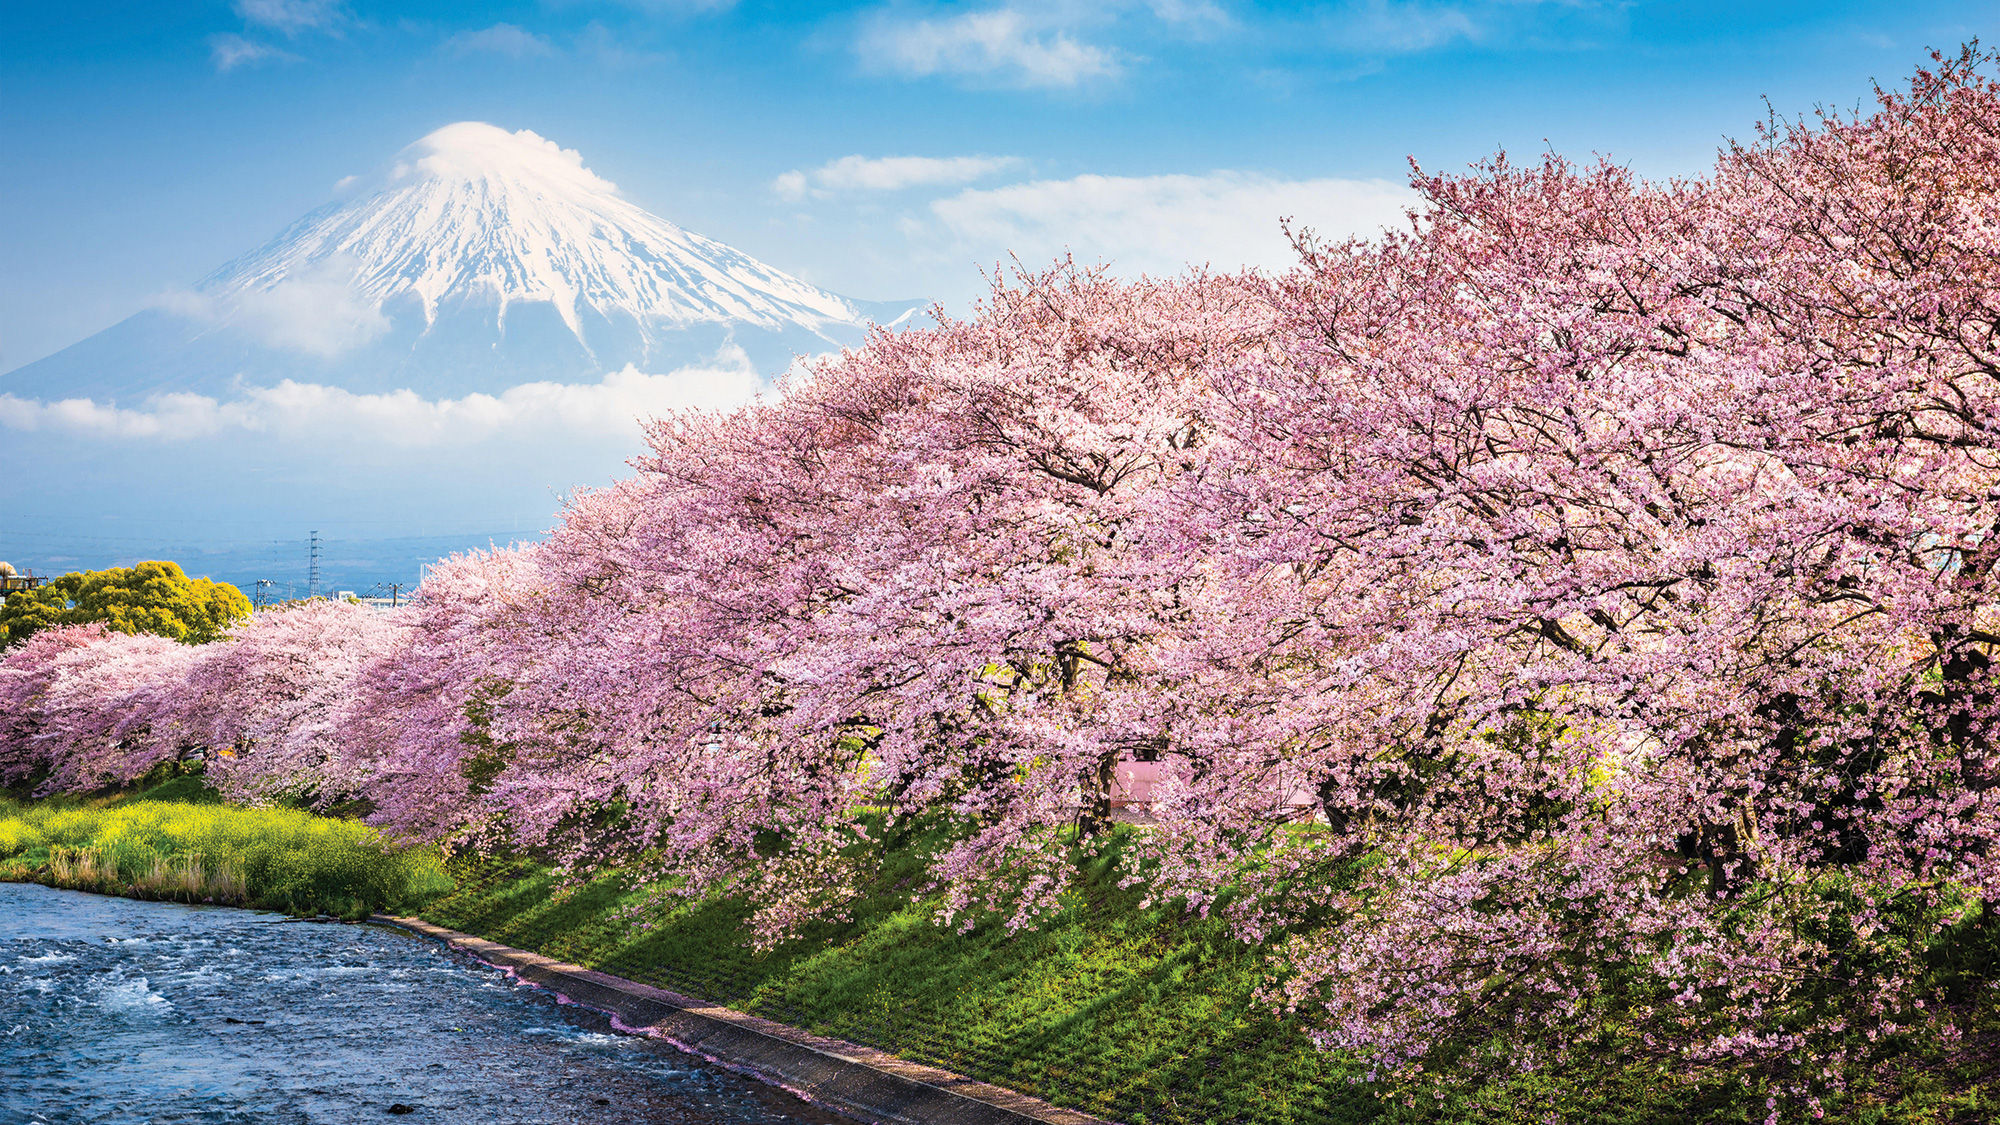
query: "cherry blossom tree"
26, 672
1609, 560
886, 589
1563, 624
271, 704
417, 737
96, 709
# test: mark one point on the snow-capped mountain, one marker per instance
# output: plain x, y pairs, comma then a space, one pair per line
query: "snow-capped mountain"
483, 259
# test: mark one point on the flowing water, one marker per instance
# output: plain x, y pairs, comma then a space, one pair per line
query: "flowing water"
119, 1011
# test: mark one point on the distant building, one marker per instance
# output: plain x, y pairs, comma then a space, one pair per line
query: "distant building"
12, 580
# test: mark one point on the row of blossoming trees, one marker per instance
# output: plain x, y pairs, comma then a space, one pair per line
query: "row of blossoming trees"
1610, 563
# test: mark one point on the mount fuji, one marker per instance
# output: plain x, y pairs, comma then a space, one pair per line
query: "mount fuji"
483, 259
426, 365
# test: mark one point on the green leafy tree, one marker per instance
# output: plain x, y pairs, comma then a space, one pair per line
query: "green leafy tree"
151, 597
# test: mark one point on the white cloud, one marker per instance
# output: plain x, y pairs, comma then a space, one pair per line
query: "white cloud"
231, 51
291, 17
661, 7
175, 415
539, 411
1008, 45
316, 312
889, 173
1390, 27
1402, 25
791, 185
317, 315
469, 150
1161, 224
603, 47
506, 39
1186, 13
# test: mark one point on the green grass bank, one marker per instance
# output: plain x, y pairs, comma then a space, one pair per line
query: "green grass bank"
178, 843
1133, 1014
1137, 1014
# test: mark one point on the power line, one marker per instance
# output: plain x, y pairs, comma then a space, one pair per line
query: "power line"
312, 568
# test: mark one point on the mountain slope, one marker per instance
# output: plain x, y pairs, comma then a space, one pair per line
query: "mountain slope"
485, 259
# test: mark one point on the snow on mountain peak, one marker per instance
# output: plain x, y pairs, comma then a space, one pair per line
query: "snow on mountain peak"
474, 215
474, 150
480, 260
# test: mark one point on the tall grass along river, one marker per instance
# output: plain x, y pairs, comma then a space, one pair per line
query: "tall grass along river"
113, 1010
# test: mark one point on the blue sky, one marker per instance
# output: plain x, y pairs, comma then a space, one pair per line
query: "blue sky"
147, 143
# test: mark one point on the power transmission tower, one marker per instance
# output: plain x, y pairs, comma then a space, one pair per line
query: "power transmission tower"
312, 568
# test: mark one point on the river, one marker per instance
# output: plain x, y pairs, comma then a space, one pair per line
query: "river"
116, 1011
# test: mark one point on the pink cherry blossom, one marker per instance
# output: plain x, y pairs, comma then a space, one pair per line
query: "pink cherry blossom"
1571, 612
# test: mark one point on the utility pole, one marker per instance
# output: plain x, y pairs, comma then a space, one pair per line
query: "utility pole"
263, 587
312, 568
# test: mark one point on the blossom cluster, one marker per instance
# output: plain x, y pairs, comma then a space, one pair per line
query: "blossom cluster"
1567, 618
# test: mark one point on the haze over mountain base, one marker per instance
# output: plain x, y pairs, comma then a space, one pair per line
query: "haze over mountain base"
243, 511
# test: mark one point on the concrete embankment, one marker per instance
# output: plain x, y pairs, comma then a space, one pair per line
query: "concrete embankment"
847, 1078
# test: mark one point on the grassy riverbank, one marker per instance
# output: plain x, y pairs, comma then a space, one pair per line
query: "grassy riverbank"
178, 843
1135, 1013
